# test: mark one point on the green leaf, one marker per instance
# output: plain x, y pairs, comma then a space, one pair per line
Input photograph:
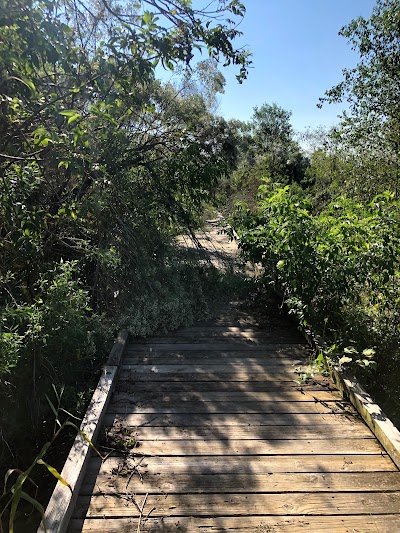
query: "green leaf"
53, 409
67, 412
55, 473
14, 506
73, 118
83, 434
8, 474
147, 17
343, 360
280, 264
26, 82
69, 112
37, 506
368, 352
350, 349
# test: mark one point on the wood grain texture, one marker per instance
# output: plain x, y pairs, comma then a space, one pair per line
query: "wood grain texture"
253, 447
315, 384
127, 406
362, 523
234, 340
268, 352
267, 433
210, 374
160, 397
246, 367
118, 348
213, 358
237, 483
212, 346
244, 464
231, 419
317, 504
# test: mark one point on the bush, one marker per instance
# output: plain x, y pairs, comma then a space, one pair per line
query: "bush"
338, 270
52, 341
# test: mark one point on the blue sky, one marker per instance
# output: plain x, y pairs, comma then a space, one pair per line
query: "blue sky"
297, 56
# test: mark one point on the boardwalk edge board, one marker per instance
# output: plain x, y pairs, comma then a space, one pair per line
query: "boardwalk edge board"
382, 427
60, 507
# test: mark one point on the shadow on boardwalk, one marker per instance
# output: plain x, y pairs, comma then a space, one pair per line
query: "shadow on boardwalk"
212, 429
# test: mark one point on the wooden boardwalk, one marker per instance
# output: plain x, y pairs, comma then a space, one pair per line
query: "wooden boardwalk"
209, 429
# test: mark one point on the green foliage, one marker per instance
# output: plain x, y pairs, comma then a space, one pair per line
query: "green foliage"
12, 496
274, 138
100, 167
266, 152
338, 270
167, 305
368, 136
56, 339
372, 86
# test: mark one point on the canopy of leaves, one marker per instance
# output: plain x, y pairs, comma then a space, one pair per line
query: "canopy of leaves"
371, 127
100, 165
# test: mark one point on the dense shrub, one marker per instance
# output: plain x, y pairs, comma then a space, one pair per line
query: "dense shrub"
338, 270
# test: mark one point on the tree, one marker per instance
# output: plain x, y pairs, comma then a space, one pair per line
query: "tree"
274, 138
80, 106
204, 80
100, 165
371, 127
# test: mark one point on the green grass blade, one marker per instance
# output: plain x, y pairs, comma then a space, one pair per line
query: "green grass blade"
37, 506
68, 423
14, 505
55, 473
52, 406
8, 474
69, 414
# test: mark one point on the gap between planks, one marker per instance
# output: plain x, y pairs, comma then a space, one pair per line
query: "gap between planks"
365, 523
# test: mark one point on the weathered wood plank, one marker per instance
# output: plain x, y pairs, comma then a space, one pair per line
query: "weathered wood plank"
283, 337
268, 433
250, 407
240, 504
118, 348
213, 327
160, 397
318, 383
249, 465
214, 345
362, 523
210, 375
172, 448
277, 350
247, 366
238, 483
214, 359
235, 419
236, 333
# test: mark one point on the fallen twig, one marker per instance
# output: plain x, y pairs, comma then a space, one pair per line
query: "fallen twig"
141, 513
